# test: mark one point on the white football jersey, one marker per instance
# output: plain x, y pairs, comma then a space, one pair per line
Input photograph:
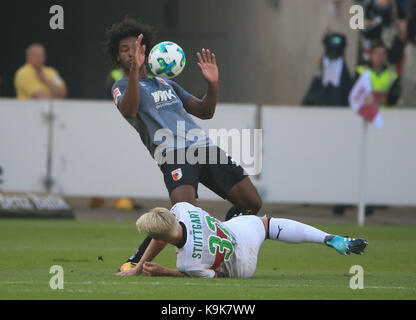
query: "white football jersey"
208, 244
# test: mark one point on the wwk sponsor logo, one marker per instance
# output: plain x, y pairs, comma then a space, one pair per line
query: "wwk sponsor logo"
163, 98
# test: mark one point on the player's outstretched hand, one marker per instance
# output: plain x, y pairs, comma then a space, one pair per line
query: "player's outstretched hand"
208, 65
139, 53
153, 269
137, 270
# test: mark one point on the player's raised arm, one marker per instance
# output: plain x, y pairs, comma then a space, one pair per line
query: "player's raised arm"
205, 108
134, 55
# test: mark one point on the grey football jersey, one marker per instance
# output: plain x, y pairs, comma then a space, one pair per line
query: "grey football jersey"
162, 121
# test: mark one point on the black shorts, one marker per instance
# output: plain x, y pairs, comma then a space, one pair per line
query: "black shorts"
218, 172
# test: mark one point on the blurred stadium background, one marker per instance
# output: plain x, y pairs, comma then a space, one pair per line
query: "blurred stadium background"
279, 42
77, 158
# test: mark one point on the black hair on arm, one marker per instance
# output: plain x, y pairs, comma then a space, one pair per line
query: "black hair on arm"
127, 28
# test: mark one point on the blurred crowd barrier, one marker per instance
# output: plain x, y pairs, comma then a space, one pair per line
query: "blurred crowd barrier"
308, 155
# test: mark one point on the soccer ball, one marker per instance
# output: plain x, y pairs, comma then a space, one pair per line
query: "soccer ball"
166, 60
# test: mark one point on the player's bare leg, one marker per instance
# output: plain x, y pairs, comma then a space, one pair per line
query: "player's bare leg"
183, 193
245, 198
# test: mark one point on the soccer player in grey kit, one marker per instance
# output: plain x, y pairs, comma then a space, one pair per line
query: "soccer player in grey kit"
129, 43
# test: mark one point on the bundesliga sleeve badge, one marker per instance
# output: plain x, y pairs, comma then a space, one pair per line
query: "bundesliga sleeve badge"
177, 174
116, 94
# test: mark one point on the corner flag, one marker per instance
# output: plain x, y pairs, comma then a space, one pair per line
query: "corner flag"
362, 100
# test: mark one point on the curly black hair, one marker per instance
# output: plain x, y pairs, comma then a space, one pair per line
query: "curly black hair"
126, 28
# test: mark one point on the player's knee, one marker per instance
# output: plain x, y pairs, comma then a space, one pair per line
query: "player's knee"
254, 204
257, 204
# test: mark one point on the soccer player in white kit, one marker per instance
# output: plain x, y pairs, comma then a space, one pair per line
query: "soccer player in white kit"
208, 248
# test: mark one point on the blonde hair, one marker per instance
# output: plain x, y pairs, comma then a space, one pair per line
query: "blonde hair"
158, 223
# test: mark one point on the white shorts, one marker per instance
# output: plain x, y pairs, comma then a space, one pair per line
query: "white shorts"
249, 233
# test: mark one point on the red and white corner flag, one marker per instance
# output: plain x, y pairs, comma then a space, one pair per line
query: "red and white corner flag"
362, 100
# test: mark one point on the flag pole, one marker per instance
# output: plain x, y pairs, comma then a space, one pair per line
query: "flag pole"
363, 164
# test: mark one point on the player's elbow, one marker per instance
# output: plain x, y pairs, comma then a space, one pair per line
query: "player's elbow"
207, 115
210, 116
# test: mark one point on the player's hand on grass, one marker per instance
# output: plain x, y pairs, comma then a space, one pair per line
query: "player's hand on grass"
153, 269
139, 53
208, 65
137, 270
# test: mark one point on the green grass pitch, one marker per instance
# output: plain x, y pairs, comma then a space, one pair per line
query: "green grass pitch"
28, 248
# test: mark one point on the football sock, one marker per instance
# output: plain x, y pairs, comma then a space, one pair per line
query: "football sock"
294, 232
234, 211
140, 251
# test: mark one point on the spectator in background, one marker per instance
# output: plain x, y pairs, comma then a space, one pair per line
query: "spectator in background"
403, 7
332, 82
34, 80
408, 98
384, 23
385, 82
